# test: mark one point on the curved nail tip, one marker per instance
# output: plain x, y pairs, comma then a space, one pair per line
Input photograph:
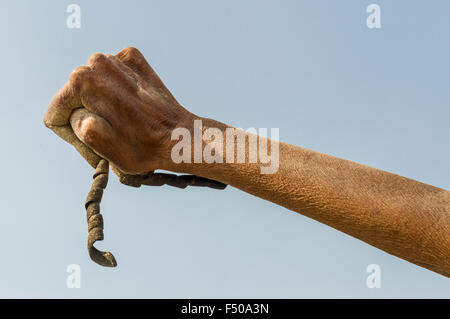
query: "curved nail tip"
110, 258
105, 259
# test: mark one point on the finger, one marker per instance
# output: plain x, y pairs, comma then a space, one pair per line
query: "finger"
67, 98
104, 66
127, 111
134, 59
102, 102
93, 131
124, 68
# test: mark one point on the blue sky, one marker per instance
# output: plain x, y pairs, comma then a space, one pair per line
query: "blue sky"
310, 68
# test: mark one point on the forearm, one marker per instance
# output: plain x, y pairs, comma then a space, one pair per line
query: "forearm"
130, 117
404, 217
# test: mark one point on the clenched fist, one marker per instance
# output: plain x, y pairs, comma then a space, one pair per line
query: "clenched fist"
117, 108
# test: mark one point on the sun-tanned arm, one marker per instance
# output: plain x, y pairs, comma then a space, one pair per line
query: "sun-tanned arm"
118, 109
406, 218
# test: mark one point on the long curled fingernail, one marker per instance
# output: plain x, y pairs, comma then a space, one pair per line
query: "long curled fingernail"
95, 219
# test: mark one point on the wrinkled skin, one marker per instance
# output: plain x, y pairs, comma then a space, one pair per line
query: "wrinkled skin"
117, 106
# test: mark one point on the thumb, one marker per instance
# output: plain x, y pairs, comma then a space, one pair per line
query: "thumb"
94, 131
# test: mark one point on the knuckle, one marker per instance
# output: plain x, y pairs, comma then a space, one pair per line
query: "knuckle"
131, 54
132, 51
80, 75
112, 59
97, 59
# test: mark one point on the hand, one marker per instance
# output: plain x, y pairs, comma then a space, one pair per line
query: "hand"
117, 108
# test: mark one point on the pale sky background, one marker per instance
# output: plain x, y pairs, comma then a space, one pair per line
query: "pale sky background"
311, 68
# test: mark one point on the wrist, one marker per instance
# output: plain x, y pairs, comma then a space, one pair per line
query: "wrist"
187, 142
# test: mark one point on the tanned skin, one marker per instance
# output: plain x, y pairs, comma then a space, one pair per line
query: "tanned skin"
118, 109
